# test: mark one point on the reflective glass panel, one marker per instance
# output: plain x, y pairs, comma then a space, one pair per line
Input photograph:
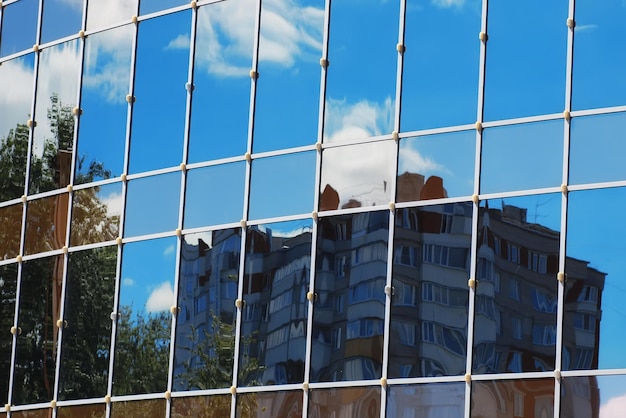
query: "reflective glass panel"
282, 185
61, 18
276, 281
511, 155
357, 175
159, 111
10, 231
593, 396
287, 93
144, 196
82, 411
205, 327
273, 404
215, 195
106, 78
152, 408
46, 224
144, 322
525, 76
105, 12
429, 400
345, 402
19, 26
431, 259
39, 309
8, 284
53, 138
517, 292
436, 166
16, 83
597, 144
33, 413
150, 6
594, 308
348, 315
214, 406
221, 96
517, 398
361, 89
598, 67
96, 214
86, 339
440, 75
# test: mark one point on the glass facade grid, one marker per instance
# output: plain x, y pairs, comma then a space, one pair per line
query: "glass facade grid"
365, 250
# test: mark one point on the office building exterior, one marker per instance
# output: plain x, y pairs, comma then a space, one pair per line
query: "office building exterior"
309, 208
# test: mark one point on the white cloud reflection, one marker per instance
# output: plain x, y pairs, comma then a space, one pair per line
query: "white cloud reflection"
16, 84
359, 120
161, 298
614, 407
448, 3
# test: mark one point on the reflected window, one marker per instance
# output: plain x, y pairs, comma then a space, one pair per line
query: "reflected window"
19, 26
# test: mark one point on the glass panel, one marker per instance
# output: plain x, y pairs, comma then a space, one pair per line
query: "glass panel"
221, 96
82, 411
8, 284
596, 146
87, 338
10, 231
349, 312
345, 402
19, 26
35, 413
205, 329
272, 404
361, 83
516, 298
511, 154
106, 77
150, 6
146, 194
53, 138
282, 185
215, 195
152, 408
61, 18
429, 400
357, 175
287, 93
143, 328
276, 281
431, 260
16, 83
525, 76
594, 294
96, 214
517, 398
39, 309
440, 75
214, 406
105, 12
46, 224
592, 396
597, 80
162, 43
436, 166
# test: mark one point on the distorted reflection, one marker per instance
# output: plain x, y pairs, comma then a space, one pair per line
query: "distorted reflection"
82, 411
46, 224
10, 227
105, 12
162, 44
53, 137
594, 311
429, 400
19, 26
96, 214
428, 335
288, 93
269, 404
516, 84
510, 155
152, 408
517, 293
33, 413
357, 175
214, 195
205, 329
517, 398
37, 344
60, 18
282, 185
363, 105
593, 396
144, 322
440, 68
213, 406
363, 402
86, 339
106, 77
348, 315
275, 284
426, 163
8, 285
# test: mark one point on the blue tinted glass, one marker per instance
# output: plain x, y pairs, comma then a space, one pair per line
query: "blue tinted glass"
19, 26
61, 18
